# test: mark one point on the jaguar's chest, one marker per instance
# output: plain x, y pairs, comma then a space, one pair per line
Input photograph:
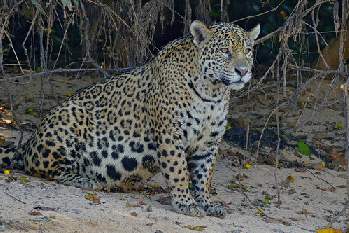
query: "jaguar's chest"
203, 122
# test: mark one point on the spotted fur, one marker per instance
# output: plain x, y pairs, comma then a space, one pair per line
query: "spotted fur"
167, 115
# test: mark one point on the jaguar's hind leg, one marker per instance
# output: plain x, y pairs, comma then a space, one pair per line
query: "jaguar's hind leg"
78, 181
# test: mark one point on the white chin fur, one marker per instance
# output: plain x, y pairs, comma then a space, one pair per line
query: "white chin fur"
246, 78
237, 85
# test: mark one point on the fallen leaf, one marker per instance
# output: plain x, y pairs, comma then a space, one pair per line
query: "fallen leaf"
290, 179
94, 198
328, 230
195, 228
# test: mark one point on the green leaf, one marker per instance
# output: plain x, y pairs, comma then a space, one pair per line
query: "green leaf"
303, 148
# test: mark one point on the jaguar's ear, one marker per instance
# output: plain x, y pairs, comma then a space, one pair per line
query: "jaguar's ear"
200, 32
254, 33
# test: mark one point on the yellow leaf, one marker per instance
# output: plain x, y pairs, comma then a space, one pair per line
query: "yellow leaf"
195, 228
328, 230
290, 179
89, 196
228, 127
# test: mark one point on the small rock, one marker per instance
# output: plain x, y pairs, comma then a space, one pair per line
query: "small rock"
291, 191
133, 214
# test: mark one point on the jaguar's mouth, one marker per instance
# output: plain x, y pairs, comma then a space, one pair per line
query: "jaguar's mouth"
229, 82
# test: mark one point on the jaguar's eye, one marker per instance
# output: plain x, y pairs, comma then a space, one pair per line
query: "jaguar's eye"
248, 50
225, 50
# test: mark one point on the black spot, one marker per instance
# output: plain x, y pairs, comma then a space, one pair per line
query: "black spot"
185, 133
72, 153
46, 164
214, 134
129, 164
40, 147
164, 153
197, 120
101, 178
192, 166
56, 155
61, 151
111, 135
137, 147
121, 148
114, 155
120, 113
221, 123
151, 146
46, 153
97, 161
105, 154
167, 177
164, 165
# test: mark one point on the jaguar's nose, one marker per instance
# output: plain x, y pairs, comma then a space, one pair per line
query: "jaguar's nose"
241, 71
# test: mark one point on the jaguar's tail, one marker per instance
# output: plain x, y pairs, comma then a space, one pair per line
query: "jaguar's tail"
10, 157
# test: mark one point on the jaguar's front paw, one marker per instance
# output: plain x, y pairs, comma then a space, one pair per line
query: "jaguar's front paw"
215, 210
191, 209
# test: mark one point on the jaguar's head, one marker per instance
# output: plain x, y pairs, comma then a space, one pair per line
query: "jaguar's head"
225, 52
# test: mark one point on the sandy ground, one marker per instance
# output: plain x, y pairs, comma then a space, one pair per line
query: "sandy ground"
309, 203
310, 197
